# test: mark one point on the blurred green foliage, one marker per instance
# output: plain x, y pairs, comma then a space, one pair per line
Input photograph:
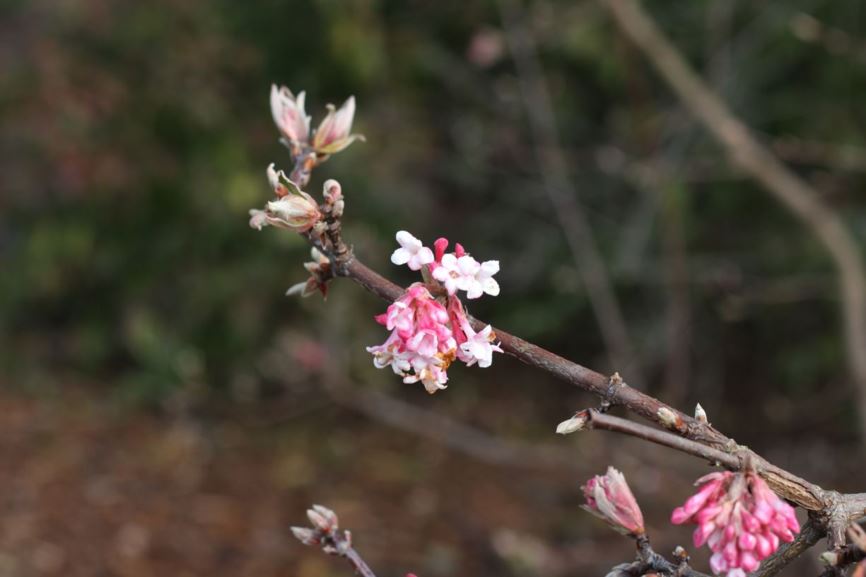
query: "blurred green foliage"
134, 138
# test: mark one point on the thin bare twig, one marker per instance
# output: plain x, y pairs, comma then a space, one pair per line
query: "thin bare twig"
749, 155
613, 391
325, 533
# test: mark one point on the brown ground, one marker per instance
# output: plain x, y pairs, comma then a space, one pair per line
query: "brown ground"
89, 489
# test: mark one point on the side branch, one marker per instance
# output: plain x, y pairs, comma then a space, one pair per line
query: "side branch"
615, 392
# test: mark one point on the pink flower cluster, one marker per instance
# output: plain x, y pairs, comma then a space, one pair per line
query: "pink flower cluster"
741, 520
427, 333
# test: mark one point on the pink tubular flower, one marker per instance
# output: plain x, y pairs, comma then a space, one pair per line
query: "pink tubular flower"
609, 498
289, 115
739, 518
421, 345
333, 134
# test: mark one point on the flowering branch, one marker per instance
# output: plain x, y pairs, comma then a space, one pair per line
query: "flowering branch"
325, 534
739, 514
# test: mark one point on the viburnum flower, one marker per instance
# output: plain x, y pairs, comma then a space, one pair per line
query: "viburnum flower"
421, 345
289, 115
609, 498
334, 132
740, 518
411, 252
478, 347
427, 334
467, 274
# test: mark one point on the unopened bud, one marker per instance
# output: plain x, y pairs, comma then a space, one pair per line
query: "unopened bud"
305, 535
700, 414
298, 212
829, 558
609, 497
332, 191
323, 518
574, 424
669, 419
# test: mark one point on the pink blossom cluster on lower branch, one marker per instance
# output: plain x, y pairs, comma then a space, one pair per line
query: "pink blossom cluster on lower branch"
429, 333
739, 518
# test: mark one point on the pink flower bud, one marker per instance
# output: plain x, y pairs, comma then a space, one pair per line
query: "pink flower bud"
323, 519
297, 212
333, 134
609, 498
739, 518
332, 192
305, 535
289, 115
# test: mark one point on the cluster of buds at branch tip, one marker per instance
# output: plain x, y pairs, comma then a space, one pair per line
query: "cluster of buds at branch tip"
609, 498
739, 518
324, 531
576, 423
333, 134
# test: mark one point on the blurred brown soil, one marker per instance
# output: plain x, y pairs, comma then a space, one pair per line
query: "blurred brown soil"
90, 489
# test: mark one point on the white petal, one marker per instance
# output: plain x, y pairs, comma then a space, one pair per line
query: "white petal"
425, 255
490, 267
490, 286
400, 256
408, 241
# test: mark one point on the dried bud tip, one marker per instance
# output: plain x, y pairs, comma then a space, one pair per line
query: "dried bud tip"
829, 558
681, 554
669, 419
700, 414
576, 423
305, 535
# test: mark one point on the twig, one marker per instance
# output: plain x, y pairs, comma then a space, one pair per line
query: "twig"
562, 193
808, 536
325, 533
598, 420
753, 158
648, 561
786, 484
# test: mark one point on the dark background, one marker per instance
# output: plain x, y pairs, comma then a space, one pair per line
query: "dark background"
166, 410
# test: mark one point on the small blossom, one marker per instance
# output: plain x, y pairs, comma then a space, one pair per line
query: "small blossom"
609, 498
739, 518
478, 347
411, 252
289, 115
467, 274
456, 273
333, 134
